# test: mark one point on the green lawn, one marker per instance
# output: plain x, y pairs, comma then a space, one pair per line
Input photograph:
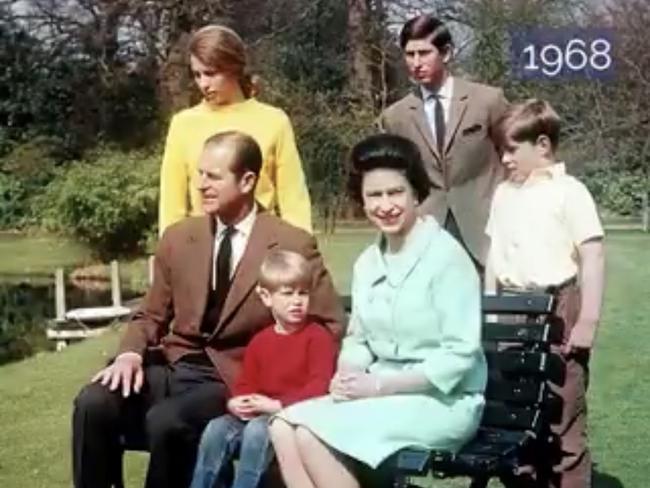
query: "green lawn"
36, 394
37, 255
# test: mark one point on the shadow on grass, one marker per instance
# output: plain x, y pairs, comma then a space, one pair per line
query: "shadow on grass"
605, 480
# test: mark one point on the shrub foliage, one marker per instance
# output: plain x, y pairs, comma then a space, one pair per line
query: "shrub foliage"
109, 203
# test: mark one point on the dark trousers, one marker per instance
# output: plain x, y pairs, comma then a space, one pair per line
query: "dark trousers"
568, 462
572, 460
451, 226
171, 412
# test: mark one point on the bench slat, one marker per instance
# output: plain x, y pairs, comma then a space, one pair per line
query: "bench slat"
517, 304
502, 436
522, 333
412, 461
444, 466
494, 304
521, 362
522, 392
505, 416
488, 452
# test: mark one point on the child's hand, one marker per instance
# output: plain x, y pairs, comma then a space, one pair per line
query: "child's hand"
262, 404
240, 406
582, 337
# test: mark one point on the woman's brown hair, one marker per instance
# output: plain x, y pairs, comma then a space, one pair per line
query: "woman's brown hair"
222, 49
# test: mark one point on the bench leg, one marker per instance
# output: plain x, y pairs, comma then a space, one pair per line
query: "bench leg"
520, 481
401, 482
118, 472
479, 482
383, 479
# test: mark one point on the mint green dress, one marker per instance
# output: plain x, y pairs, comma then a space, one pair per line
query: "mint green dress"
417, 310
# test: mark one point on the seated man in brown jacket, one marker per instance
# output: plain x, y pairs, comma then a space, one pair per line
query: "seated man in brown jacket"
202, 310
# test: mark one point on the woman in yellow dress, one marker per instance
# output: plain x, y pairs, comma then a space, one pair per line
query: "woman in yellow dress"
219, 67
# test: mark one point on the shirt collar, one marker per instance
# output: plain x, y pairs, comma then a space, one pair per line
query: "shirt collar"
244, 226
413, 249
444, 92
551, 172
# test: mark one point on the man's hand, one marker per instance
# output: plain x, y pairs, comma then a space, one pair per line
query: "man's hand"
354, 385
262, 404
581, 337
126, 370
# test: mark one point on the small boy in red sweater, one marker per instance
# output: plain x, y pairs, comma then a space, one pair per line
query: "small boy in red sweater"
290, 360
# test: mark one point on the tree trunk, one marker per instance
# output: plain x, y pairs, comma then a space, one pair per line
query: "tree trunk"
360, 60
175, 85
646, 210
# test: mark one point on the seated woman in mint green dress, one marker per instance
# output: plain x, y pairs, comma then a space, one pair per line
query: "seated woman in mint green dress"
411, 371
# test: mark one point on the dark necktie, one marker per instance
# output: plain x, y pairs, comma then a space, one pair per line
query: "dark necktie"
222, 265
439, 120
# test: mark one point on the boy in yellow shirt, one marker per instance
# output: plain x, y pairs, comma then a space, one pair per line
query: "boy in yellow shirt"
545, 234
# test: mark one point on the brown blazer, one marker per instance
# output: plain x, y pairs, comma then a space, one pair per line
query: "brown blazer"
173, 309
465, 176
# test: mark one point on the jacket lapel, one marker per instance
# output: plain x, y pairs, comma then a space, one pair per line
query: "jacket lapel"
199, 265
457, 110
419, 118
245, 277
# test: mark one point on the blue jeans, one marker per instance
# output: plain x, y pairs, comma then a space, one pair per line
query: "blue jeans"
220, 442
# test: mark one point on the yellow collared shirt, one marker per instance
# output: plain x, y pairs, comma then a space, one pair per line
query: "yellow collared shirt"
535, 228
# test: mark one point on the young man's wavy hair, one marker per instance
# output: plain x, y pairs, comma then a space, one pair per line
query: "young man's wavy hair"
423, 26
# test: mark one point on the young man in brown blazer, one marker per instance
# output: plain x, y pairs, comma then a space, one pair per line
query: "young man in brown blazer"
201, 310
451, 121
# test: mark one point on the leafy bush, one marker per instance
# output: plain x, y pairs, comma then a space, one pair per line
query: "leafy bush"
620, 192
24, 172
327, 125
109, 202
23, 312
13, 205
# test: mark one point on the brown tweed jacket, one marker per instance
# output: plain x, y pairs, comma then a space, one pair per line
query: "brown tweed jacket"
465, 176
173, 309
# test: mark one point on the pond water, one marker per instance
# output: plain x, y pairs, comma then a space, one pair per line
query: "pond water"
26, 308
27, 265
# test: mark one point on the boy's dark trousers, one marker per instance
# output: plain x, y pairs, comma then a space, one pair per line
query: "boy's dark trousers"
568, 463
572, 466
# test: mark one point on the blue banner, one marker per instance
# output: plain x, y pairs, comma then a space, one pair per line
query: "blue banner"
559, 54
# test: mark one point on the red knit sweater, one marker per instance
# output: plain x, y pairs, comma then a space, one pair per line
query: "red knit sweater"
288, 367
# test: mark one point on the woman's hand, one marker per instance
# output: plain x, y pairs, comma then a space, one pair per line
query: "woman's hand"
240, 406
353, 385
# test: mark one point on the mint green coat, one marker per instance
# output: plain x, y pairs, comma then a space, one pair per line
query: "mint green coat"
420, 310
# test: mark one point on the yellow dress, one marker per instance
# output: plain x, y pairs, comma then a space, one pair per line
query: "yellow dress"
281, 186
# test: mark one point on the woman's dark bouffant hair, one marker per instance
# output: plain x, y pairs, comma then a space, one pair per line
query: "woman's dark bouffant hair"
387, 151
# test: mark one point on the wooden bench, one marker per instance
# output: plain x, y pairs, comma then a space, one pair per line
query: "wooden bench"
514, 430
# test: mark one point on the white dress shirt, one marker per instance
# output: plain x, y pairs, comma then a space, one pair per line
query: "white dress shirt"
444, 93
238, 239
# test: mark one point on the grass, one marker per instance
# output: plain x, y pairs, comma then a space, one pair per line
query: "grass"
38, 256
35, 258
37, 393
